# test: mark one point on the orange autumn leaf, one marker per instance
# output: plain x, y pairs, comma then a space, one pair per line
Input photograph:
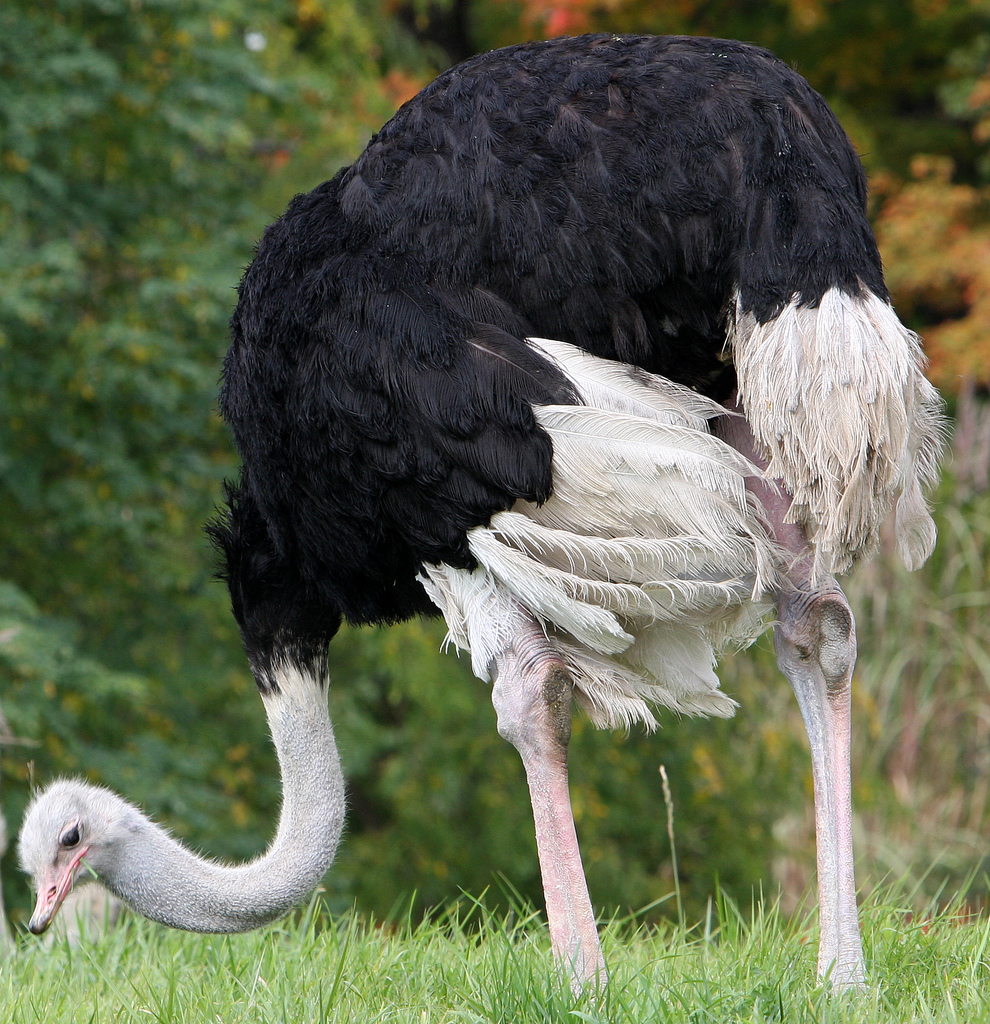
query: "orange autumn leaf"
935, 240
400, 87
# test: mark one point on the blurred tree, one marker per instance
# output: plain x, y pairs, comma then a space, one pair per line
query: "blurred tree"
131, 165
143, 146
135, 142
934, 235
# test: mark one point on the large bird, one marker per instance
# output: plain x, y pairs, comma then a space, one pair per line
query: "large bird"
591, 350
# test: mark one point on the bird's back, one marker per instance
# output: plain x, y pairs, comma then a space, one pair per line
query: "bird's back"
616, 190
630, 195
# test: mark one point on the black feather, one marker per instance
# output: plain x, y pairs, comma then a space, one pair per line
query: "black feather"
280, 617
612, 192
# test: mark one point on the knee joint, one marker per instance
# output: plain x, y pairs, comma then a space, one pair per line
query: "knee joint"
836, 644
820, 629
533, 708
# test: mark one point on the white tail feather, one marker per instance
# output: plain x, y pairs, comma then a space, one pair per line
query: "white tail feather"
630, 559
836, 395
645, 447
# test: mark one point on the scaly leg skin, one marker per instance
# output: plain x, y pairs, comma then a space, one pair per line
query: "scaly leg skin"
815, 639
532, 698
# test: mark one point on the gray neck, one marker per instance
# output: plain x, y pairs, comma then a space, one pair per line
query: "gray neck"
166, 882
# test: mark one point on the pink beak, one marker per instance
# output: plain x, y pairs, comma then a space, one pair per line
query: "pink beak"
50, 896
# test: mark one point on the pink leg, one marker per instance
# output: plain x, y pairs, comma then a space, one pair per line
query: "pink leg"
532, 697
815, 639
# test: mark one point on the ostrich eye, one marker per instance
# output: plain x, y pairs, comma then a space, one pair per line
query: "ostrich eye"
70, 837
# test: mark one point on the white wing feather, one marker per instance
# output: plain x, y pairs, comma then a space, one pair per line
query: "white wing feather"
648, 557
619, 387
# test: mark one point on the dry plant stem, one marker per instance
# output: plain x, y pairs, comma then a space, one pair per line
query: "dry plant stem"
6, 939
669, 801
532, 698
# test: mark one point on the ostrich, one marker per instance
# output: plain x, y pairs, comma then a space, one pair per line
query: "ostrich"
590, 350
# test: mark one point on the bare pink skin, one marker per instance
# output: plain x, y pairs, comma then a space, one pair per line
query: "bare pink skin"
532, 698
815, 639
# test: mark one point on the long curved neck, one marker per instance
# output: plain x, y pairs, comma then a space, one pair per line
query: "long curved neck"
166, 882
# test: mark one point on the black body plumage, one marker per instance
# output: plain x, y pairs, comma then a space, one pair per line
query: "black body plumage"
617, 193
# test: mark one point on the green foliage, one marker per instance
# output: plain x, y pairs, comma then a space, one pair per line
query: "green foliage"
76, 707
135, 140
118, 241
924, 734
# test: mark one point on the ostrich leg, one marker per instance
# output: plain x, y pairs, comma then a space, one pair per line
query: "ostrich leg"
532, 693
532, 698
815, 640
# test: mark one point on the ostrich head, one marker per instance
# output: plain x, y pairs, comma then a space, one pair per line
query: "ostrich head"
72, 833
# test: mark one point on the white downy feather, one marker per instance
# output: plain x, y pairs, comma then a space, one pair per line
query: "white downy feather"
837, 396
481, 617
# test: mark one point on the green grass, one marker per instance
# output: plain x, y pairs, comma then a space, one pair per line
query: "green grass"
752, 966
